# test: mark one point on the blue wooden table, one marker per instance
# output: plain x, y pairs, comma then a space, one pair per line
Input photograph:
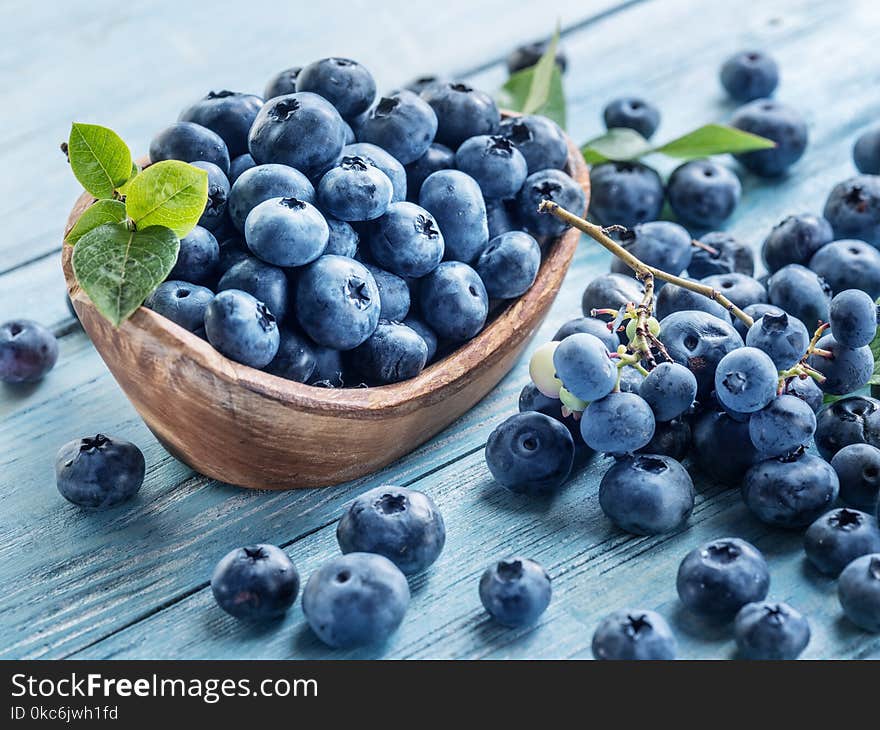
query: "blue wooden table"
133, 582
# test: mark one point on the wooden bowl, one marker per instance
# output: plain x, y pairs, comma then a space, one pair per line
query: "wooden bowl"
246, 427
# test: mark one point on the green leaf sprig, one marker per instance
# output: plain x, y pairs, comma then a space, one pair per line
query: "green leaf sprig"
537, 90
126, 243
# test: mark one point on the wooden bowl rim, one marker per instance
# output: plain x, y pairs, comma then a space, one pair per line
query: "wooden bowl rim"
431, 386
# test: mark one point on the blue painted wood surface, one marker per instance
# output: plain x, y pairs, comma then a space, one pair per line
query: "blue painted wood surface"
133, 582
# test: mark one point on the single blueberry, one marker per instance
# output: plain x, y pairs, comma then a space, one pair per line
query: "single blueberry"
838, 537
343, 239
198, 257
703, 193
229, 114
282, 83
662, 244
806, 389
387, 163
750, 75
286, 232
673, 298
509, 265
853, 318
540, 140
713, 433
740, 289
394, 352
779, 123
795, 240
858, 469
801, 293
99, 472
181, 302
866, 152
400, 524
355, 600
770, 631
783, 338
845, 369
619, 423
849, 264
550, 185
262, 281
634, 635
329, 369
746, 380
295, 359
456, 202
189, 142
256, 583
453, 301
785, 425
647, 494
264, 182
611, 291
671, 438
852, 420
346, 84
462, 112
218, 195
394, 294
859, 592
436, 157
719, 578
242, 328
403, 123
27, 351
406, 240
584, 366
670, 390
592, 326
495, 163
625, 193
355, 190
528, 55
515, 591
728, 256
632, 112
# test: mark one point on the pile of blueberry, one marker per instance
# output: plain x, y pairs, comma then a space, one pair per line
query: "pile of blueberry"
701, 193
735, 388
350, 239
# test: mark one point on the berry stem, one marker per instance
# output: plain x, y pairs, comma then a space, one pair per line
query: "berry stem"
642, 270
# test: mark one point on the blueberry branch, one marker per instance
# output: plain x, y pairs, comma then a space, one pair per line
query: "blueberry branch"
641, 269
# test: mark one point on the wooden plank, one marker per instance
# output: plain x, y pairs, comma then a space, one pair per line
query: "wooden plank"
133, 69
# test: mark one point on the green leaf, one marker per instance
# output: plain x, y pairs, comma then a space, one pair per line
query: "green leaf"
135, 171
170, 193
99, 158
875, 351
537, 90
616, 144
118, 268
99, 213
713, 139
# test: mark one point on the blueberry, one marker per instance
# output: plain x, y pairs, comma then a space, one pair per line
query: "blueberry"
552, 185
495, 163
27, 351
673, 298
647, 494
838, 537
394, 352
99, 472
286, 232
662, 244
242, 328
634, 635
343, 239
531, 399
783, 338
806, 389
515, 592
669, 389
355, 190
846, 369
584, 366
355, 600
671, 438
749, 75
462, 112
456, 202
402, 123
426, 333
295, 359
509, 265
393, 294
858, 469
729, 256
344, 83
436, 157
699, 340
233, 251
329, 369
527, 55
703, 193
719, 578
337, 302
530, 453
406, 240
400, 524
189, 142
592, 326
256, 583
198, 257
852, 420
228, 114
265, 182
853, 208
712, 435
800, 292
770, 631
453, 301
619, 423
540, 140
849, 264
218, 194
379, 158
859, 592
779, 123
500, 218
625, 193
746, 380
420, 83
631, 112
302, 130
853, 318
282, 83
740, 289
631, 382
783, 426
611, 291
181, 302
866, 152
791, 491
262, 281
795, 240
